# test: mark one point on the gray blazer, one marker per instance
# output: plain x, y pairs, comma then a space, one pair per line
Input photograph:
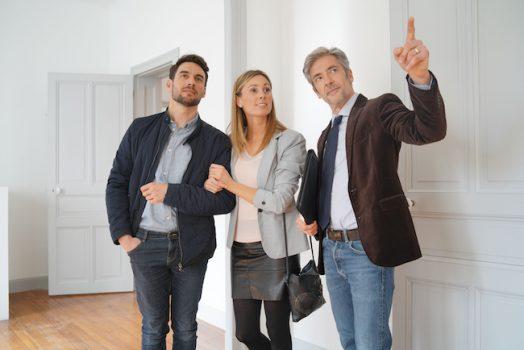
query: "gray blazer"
280, 169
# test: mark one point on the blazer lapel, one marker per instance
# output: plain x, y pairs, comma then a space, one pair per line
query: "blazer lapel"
322, 142
350, 128
268, 158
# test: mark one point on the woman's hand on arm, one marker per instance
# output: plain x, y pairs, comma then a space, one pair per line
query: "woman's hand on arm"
212, 185
224, 180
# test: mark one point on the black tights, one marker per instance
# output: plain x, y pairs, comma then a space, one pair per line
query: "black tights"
247, 316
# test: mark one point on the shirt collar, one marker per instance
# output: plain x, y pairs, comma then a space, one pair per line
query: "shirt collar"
346, 109
190, 125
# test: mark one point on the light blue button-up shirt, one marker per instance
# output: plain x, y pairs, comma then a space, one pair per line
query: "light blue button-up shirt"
171, 168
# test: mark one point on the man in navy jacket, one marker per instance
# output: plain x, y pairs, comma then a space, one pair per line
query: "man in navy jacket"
159, 211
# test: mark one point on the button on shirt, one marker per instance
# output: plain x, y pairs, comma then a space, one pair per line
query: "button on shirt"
342, 213
171, 168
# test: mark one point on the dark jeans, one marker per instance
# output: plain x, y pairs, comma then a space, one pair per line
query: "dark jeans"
157, 278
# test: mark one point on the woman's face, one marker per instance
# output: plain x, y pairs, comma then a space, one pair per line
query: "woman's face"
255, 97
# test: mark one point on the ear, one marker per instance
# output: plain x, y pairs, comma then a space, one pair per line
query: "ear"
169, 84
239, 102
350, 75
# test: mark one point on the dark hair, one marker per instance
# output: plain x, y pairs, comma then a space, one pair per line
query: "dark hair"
189, 58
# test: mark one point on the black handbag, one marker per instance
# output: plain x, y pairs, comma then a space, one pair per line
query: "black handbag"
305, 289
308, 194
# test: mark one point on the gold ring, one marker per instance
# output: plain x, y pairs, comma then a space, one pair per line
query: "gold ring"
417, 51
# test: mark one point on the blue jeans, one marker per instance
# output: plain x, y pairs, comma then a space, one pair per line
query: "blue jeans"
157, 279
361, 294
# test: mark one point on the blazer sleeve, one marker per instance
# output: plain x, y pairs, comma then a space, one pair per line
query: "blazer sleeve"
425, 124
288, 170
196, 200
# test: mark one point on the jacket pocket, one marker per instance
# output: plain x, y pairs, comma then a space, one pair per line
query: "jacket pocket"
393, 202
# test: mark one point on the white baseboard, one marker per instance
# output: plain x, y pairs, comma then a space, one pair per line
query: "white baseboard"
212, 316
304, 345
25, 284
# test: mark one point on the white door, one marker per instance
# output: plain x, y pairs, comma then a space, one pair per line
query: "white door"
88, 115
151, 96
467, 292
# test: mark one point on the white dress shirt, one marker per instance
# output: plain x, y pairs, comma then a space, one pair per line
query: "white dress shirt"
342, 214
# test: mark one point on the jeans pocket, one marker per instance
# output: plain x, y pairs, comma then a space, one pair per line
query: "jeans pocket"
137, 247
356, 247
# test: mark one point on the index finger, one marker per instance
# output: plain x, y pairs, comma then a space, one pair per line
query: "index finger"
411, 29
146, 186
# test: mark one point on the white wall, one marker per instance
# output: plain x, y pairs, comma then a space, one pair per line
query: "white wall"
36, 38
279, 36
78, 36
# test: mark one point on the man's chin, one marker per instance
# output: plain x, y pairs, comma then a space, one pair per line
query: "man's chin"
188, 102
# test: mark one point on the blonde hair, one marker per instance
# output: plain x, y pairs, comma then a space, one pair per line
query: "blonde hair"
238, 125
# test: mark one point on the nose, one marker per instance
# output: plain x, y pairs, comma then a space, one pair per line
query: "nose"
328, 81
190, 81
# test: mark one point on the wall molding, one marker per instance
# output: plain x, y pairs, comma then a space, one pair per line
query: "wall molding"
25, 284
464, 216
411, 283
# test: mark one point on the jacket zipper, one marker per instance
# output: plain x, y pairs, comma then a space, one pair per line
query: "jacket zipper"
157, 151
180, 266
154, 157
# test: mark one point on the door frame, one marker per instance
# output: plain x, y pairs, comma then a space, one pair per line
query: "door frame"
151, 67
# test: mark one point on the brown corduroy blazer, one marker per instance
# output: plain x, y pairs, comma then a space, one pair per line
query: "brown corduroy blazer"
375, 131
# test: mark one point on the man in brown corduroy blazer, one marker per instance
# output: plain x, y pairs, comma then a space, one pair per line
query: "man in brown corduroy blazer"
364, 224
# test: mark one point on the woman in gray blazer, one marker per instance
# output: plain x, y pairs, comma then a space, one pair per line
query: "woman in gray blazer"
266, 164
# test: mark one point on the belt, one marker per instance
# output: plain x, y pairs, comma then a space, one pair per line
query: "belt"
343, 235
156, 234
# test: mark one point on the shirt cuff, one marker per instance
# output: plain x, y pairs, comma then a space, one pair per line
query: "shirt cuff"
425, 87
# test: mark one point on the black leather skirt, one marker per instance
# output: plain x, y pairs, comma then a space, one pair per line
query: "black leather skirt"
254, 275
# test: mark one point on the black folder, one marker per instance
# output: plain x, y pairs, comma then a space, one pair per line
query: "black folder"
307, 197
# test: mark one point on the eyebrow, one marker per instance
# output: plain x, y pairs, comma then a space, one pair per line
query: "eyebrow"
328, 68
187, 72
265, 84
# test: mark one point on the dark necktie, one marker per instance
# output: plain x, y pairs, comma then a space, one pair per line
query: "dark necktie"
328, 171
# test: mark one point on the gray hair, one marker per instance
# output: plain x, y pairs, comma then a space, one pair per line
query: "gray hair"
321, 52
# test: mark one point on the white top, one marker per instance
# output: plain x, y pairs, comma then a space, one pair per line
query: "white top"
246, 171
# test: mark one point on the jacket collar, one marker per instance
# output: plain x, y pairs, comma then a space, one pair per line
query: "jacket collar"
359, 103
198, 126
269, 155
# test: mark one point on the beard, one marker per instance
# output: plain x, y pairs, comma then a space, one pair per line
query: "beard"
185, 101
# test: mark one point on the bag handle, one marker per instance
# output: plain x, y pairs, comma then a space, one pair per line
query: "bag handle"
285, 236
287, 253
